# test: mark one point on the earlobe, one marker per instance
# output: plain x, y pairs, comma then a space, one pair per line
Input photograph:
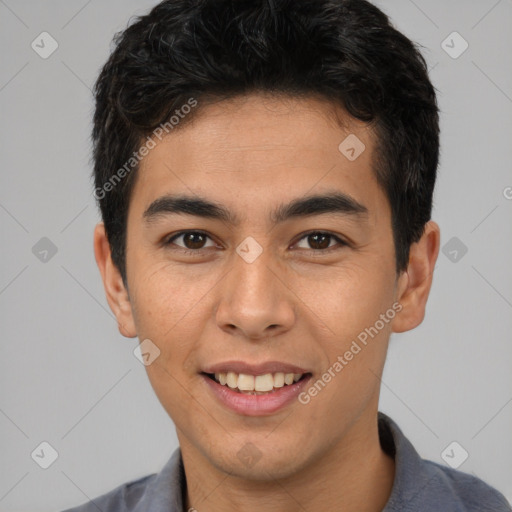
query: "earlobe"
115, 290
413, 286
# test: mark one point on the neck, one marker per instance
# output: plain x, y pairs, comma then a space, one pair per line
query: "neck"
355, 475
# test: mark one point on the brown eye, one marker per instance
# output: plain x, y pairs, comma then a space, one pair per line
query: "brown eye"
320, 240
192, 240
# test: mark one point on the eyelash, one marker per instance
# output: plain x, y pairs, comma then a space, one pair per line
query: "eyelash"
195, 252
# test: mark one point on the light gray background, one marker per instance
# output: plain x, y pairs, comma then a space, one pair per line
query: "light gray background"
69, 378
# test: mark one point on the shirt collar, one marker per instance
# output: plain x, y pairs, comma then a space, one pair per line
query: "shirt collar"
165, 492
411, 477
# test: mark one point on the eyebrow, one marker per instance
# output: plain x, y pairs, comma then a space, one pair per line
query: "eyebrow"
334, 202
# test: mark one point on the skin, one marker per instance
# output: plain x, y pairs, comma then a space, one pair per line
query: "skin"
294, 303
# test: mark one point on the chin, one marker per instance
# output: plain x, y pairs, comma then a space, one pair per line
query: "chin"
259, 463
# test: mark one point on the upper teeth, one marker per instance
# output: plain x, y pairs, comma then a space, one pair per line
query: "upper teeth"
265, 382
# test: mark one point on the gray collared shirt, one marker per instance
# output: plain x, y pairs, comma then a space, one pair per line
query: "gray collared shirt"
419, 486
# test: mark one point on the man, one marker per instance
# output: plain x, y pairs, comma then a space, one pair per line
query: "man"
265, 172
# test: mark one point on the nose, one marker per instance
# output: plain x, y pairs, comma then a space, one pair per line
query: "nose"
255, 300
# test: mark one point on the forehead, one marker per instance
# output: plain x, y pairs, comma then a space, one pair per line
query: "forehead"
256, 150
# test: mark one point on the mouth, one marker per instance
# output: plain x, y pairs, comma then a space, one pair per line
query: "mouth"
255, 389
256, 384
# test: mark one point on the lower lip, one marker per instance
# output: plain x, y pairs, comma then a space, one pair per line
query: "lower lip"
256, 405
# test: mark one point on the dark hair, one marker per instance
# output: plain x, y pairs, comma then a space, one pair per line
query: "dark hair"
346, 51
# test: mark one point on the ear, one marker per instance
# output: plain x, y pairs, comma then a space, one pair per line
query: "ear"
117, 295
413, 285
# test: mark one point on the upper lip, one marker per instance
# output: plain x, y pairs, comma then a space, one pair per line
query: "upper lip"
253, 369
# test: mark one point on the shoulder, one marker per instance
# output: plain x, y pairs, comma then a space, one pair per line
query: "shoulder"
121, 499
425, 485
467, 492
157, 492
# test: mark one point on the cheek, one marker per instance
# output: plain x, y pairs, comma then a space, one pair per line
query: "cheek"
165, 311
351, 297
164, 293
163, 304
352, 308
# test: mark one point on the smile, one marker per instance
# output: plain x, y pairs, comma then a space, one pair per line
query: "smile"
255, 390
256, 384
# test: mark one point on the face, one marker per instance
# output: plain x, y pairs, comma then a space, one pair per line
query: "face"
253, 279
